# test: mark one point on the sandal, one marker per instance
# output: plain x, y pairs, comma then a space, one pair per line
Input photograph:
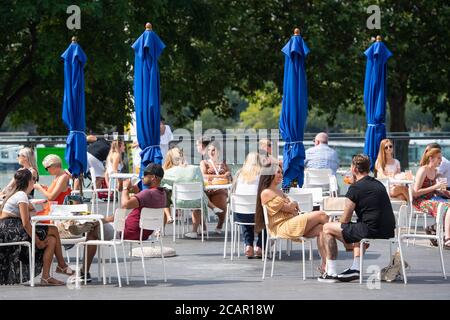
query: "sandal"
170, 221
249, 252
258, 253
66, 270
51, 282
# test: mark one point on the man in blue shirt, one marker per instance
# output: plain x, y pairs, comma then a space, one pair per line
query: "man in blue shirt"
321, 156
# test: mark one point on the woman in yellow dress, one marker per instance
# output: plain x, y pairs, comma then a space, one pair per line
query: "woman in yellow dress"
283, 214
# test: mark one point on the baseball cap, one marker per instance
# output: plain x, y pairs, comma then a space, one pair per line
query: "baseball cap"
155, 169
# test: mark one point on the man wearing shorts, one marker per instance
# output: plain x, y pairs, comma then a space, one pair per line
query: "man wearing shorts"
370, 201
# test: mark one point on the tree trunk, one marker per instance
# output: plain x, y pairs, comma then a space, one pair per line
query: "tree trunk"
397, 103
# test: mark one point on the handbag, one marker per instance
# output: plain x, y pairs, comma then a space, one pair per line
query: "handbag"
334, 204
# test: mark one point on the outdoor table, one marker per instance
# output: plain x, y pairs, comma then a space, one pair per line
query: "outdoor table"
112, 185
36, 219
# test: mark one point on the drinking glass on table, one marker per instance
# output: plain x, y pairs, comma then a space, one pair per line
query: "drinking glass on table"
408, 174
348, 178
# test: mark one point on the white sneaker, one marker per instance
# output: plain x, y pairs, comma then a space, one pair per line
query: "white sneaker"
191, 235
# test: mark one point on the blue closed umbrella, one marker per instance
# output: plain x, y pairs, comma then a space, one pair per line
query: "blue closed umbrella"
375, 89
294, 109
148, 48
73, 113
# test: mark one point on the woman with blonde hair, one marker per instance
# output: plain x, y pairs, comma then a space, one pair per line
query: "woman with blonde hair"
176, 169
216, 171
26, 160
59, 188
246, 182
387, 166
428, 193
114, 163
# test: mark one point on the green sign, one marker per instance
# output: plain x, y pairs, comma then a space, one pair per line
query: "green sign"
41, 153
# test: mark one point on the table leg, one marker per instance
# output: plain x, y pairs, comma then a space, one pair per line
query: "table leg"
33, 252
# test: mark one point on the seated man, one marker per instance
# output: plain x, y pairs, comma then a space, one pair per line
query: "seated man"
321, 156
153, 197
369, 199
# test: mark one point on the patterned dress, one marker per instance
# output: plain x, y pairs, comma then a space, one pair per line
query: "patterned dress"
11, 230
286, 225
429, 202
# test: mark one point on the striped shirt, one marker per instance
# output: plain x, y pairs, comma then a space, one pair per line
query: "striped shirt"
322, 157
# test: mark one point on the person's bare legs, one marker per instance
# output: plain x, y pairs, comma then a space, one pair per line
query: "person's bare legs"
220, 200
167, 215
400, 192
91, 250
314, 228
447, 225
53, 232
196, 221
48, 256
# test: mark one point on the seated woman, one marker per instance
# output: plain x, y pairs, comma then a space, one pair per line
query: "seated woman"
246, 182
427, 193
176, 169
114, 163
15, 226
216, 171
59, 188
27, 160
284, 219
386, 166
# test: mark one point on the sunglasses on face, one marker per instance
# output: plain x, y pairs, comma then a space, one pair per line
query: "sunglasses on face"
46, 168
388, 147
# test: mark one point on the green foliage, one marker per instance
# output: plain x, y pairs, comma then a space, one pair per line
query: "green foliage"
215, 47
264, 108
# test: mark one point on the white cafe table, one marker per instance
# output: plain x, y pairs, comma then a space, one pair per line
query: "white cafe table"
36, 219
112, 185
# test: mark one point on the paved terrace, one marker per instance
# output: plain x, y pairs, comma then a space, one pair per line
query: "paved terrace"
199, 272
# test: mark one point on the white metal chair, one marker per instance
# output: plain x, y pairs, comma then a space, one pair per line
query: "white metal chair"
150, 219
439, 236
20, 243
272, 240
192, 191
95, 191
305, 203
61, 210
318, 178
304, 200
317, 194
391, 241
417, 213
243, 204
119, 226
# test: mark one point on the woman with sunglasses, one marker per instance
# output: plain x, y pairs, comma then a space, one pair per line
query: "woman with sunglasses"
59, 188
15, 226
387, 166
27, 160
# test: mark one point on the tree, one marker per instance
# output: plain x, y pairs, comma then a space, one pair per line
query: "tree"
31, 81
264, 108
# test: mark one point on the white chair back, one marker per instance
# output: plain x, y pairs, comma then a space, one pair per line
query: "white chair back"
243, 203
119, 219
317, 193
151, 219
317, 177
187, 191
304, 200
